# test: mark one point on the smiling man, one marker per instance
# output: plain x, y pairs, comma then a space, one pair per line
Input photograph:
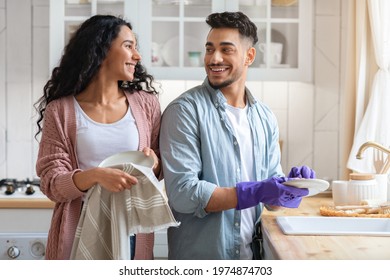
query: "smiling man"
220, 152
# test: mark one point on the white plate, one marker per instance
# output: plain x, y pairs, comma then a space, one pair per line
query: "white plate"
135, 157
170, 50
299, 225
315, 186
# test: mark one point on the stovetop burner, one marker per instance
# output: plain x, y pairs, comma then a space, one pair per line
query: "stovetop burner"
12, 188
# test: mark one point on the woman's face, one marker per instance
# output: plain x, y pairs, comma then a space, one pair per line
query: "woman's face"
122, 57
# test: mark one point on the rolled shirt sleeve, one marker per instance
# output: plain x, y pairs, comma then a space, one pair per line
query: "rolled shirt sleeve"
180, 147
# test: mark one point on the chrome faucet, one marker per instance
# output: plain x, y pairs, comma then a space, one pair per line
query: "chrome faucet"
371, 144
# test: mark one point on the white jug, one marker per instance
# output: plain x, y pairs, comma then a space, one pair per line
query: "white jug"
275, 55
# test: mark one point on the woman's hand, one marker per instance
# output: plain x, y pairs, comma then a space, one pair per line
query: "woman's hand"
114, 180
150, 153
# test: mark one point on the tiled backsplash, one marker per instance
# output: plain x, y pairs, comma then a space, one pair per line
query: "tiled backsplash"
307, 112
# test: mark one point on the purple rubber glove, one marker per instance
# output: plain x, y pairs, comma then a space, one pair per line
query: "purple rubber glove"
302, 172
270, 191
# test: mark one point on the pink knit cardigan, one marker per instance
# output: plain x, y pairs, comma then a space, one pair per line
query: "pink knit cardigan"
57, 162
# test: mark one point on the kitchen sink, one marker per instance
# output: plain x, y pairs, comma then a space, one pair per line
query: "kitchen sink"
299, 225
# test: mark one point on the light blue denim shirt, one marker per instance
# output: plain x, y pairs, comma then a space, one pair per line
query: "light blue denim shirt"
200, 152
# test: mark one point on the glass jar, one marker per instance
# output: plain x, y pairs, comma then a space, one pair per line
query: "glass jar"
362, 187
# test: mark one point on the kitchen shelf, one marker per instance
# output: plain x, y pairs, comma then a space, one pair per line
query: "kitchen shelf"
161, 22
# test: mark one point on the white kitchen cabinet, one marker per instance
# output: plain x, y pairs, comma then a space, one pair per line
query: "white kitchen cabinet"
172, 33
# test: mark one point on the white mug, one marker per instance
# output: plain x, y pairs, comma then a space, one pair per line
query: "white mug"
340, 192
275, 52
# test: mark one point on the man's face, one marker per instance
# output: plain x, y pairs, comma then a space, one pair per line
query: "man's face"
227, 57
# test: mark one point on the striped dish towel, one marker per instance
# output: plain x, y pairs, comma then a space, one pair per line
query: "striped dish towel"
108, 219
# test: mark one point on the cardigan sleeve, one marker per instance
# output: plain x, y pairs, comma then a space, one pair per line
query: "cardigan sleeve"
56, 163
155, 132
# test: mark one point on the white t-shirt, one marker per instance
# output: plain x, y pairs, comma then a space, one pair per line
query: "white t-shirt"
97, 141
240, 124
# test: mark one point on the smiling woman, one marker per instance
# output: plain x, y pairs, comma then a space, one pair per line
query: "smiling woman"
98, 102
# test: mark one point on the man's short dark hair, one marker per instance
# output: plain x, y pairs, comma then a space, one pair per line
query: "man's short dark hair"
237, 20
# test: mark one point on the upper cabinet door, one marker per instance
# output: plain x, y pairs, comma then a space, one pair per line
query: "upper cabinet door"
284, 51
172, 36
172, 33
67, 15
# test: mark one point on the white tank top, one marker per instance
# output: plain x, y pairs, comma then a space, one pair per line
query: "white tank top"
239, 120
97, 141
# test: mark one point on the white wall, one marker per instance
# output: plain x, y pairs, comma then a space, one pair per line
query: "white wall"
24, 52
308, 113
2, 90
327, 82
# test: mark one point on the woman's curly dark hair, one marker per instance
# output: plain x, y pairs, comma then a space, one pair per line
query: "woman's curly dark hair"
81, 60
237, 20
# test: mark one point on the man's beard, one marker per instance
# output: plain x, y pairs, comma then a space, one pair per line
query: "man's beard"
221, 85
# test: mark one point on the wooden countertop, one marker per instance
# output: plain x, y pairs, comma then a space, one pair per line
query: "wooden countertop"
312, 247
43, 203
